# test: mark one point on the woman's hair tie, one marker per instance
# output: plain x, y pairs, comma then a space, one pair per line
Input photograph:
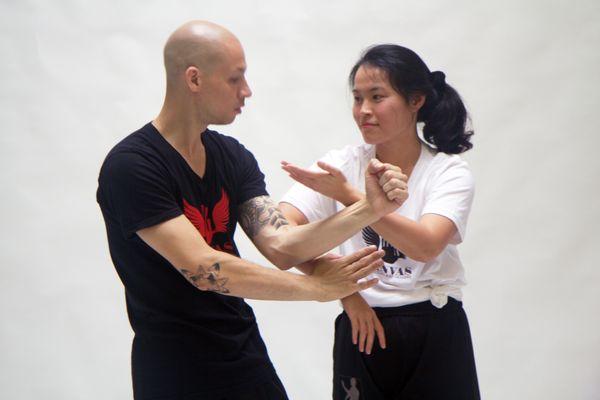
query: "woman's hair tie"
438, 80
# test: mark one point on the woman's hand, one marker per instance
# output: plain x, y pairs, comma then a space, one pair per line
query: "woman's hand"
390, 178
330, 181
365, 323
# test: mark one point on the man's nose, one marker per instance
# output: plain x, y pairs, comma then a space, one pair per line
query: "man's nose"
246, 91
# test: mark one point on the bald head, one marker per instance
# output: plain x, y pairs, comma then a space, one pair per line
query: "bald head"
201, 44
206, 80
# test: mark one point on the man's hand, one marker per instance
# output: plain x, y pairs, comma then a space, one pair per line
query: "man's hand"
337, 277
365, 324
386, 187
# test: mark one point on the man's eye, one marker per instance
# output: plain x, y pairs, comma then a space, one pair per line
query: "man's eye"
357, 99
234, 80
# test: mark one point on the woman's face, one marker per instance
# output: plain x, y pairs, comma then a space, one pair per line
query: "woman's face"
381, 113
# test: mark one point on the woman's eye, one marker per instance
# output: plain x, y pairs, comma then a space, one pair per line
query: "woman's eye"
377, 97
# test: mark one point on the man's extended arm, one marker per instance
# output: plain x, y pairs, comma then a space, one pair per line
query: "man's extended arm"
182, 245
286, 246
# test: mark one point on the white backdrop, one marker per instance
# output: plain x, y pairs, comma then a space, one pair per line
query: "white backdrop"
77, 76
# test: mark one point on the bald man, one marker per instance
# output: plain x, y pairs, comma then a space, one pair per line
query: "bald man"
171, 194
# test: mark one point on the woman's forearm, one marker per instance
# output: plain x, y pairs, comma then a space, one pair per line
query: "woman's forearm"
416, 239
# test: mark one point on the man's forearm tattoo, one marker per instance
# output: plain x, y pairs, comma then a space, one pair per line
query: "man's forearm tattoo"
207, 279
259, 212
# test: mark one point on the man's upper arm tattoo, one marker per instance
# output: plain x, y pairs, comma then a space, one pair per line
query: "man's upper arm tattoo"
207, 279
259, 212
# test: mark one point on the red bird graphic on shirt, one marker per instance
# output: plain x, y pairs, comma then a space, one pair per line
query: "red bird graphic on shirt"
206, 223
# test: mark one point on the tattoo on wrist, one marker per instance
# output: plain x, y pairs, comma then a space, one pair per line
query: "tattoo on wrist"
209, 279
259, 212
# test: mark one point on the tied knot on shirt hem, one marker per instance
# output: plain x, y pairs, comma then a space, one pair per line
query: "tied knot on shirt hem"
439, 296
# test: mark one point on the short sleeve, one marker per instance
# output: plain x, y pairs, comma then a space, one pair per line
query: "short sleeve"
135, 192
251, 180
451, 195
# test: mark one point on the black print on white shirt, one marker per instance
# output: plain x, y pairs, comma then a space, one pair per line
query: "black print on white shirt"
392, 255
371, 238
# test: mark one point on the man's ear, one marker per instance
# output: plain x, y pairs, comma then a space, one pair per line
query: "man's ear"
193, 78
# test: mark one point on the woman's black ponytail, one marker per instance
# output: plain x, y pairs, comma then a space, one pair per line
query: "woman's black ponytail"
444, 115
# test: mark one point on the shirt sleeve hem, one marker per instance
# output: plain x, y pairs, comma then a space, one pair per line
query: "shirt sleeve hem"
252, 194
151, 221
301, 206
460, 231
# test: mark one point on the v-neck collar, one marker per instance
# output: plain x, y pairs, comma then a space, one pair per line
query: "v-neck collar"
177, 154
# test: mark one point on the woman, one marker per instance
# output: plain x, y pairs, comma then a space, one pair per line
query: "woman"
415, 310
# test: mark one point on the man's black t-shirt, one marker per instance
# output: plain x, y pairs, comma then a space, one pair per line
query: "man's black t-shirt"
145, 181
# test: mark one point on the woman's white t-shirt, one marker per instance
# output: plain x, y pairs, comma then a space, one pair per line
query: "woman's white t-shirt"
439, 184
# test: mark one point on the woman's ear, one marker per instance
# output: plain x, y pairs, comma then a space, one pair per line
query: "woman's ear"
416, 102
